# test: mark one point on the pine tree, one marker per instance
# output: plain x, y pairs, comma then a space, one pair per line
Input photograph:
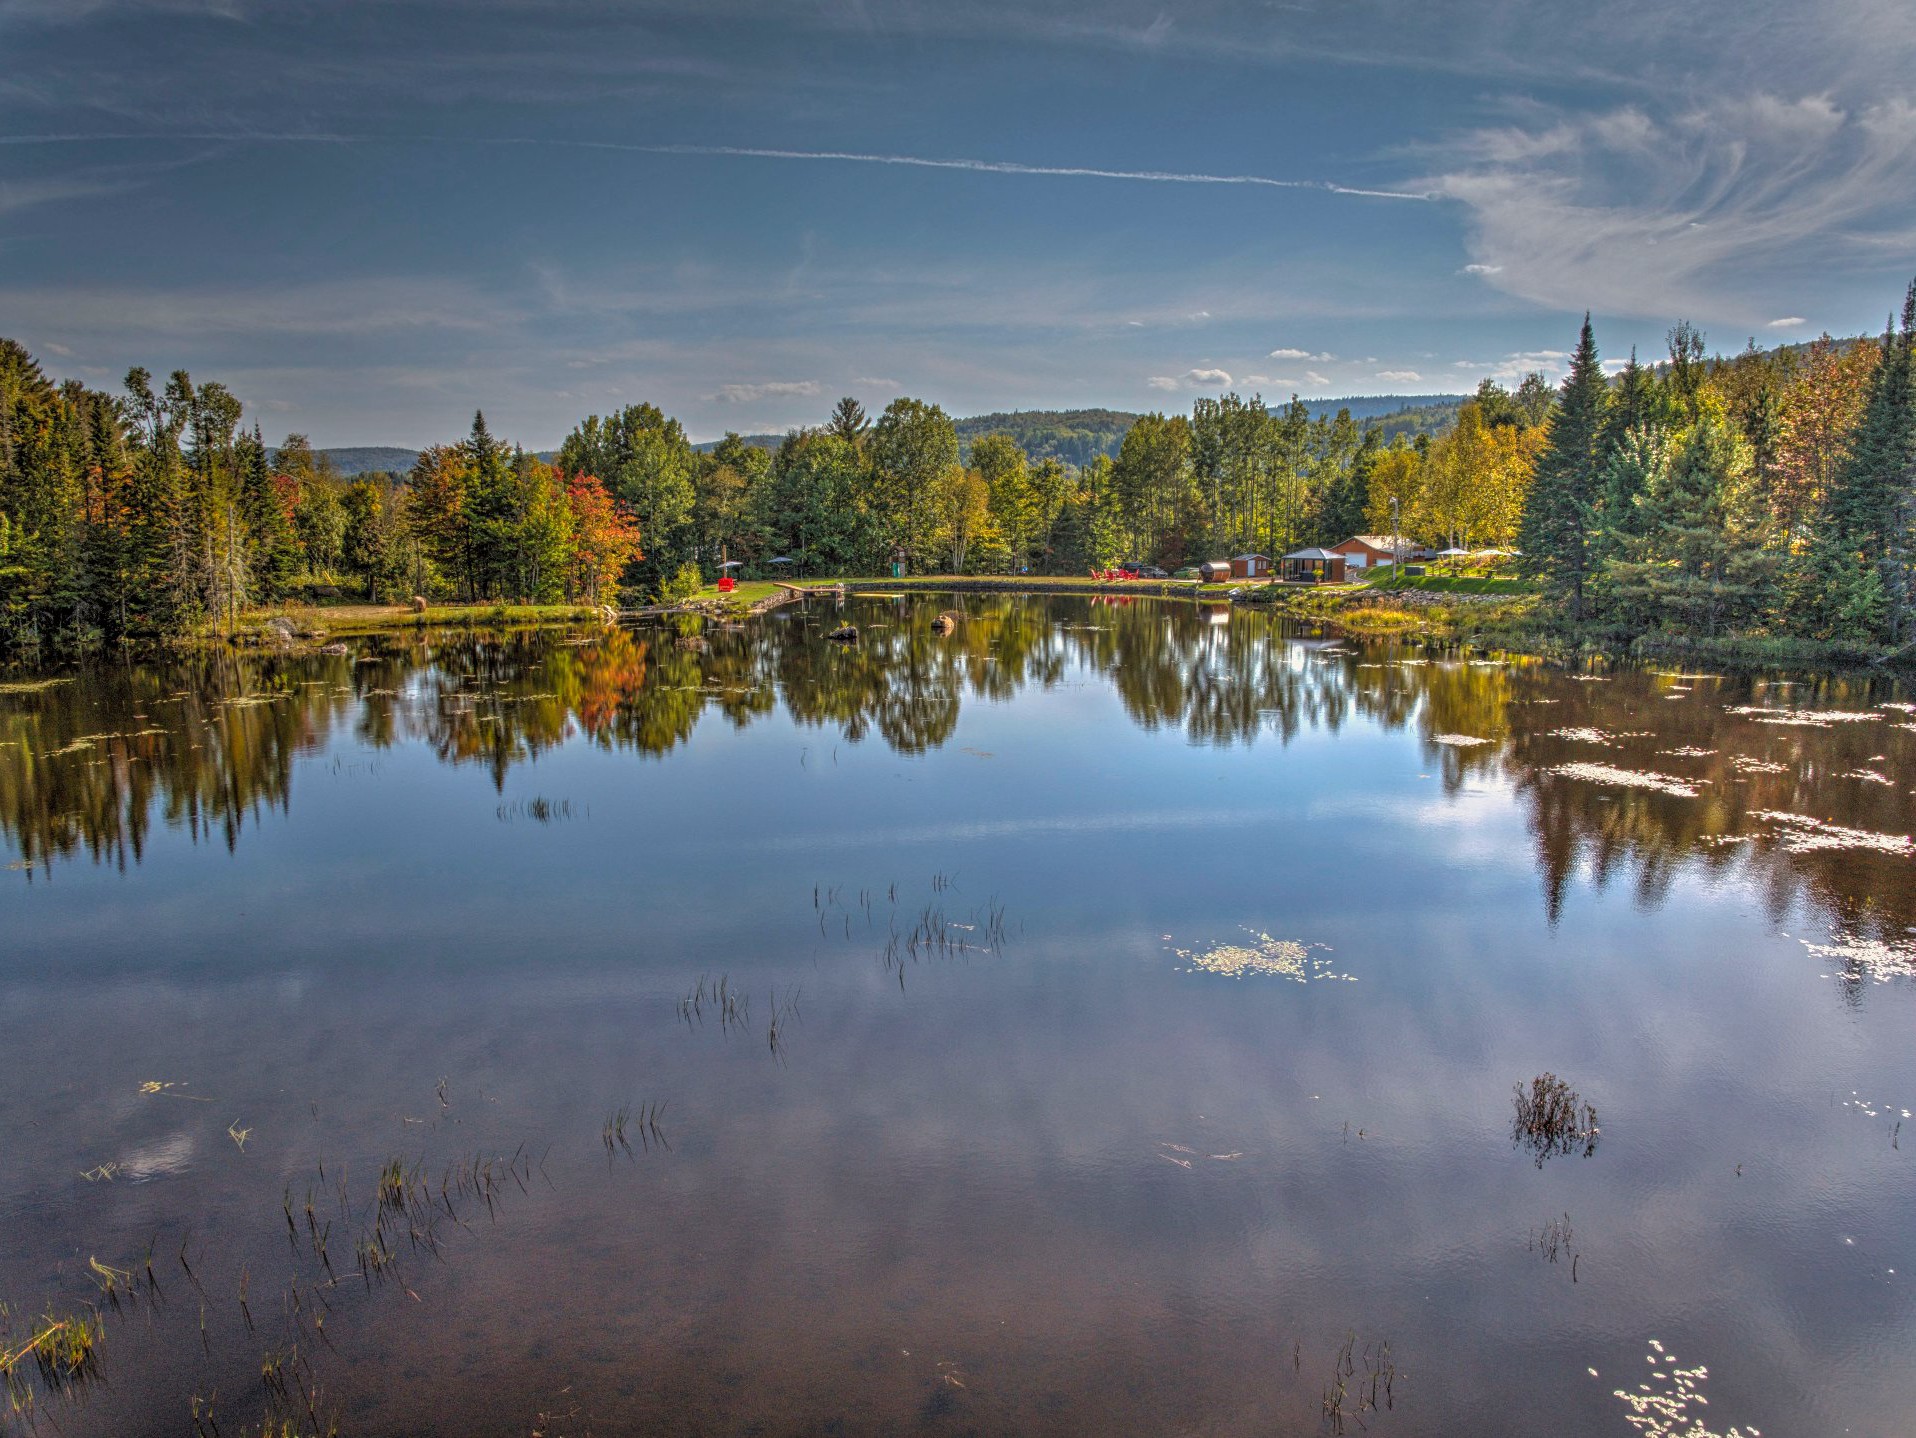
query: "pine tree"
848, 421
1561, 510
1866, 515
1694, 566
491, 511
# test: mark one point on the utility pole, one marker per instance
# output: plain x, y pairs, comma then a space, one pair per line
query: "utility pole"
1396, 544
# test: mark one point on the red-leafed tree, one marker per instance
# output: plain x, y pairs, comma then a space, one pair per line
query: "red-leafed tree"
605, 538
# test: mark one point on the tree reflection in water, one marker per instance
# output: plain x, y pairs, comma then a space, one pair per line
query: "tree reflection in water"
202, 742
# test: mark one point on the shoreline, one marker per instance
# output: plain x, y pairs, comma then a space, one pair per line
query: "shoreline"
1465, 617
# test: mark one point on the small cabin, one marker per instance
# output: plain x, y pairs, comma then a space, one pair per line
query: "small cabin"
1367, 551
1214, 571
1314, 566
1251, 566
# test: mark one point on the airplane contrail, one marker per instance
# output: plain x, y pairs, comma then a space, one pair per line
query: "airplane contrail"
857, 157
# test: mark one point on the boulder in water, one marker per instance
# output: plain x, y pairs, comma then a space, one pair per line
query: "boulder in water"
846, 634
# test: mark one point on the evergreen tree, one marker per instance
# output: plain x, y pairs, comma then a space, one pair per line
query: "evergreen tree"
272, 548
848, 421
1695, 567
1863, 542
1558, 517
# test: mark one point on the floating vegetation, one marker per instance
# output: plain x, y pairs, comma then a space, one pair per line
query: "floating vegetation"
539, 810
1868, 776
1750, 764
1374, 1389
1871, 1109
1626, 778
65, 1354
1688, 751
1460, 741
1662, 1409
1278, 958
1553, 1119
1803, 718
1581, 734
1870, 959
31, 686
1803, 834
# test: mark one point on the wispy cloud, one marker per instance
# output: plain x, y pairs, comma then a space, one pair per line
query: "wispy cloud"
1400, 376
1693, 213
1296, 354
1788, 322
771, 389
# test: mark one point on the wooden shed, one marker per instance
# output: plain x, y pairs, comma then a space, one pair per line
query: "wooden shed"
1314, 566
1214, 571
1251, 566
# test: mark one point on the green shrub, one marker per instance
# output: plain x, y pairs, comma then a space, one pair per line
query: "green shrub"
678, 588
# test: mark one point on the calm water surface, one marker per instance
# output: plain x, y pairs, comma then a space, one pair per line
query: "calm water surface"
1133, 1001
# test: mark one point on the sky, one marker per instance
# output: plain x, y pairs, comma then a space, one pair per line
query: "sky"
369, 219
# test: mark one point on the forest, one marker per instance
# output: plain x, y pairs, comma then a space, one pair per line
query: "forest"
1769, 492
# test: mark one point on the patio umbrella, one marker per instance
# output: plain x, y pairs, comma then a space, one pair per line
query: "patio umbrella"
781, 559
733, 564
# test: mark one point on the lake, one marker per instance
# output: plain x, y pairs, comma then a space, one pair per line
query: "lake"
1107, 1018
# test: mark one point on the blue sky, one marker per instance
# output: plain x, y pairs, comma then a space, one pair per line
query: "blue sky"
369, 219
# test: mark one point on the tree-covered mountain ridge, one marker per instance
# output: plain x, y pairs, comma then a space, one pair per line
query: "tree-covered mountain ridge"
1075, 436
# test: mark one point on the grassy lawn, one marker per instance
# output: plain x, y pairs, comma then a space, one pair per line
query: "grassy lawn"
748, 591
1457, 584
343, 619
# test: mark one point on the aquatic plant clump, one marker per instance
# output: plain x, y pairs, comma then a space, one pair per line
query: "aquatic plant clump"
1276, 958
1662, 1409
1803, 834
1801, 718
1552, 1118
1869, 958
1460, 741
1626, 778
1581, 734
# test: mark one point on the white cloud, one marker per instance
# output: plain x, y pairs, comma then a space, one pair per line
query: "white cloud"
1199, 315
772, 389
1697, 212
1788, 322
878, 383
1192, 379
1311, 376
1400, 376
1295, 354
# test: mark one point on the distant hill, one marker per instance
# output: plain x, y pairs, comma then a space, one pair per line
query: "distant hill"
1428, 415
756, 441
364, 459
1381, 406
1076, 436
